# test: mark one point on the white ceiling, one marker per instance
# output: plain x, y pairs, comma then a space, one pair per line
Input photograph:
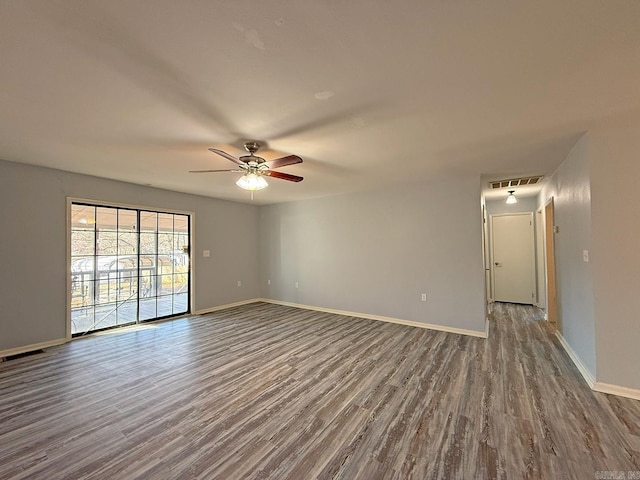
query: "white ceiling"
368, 93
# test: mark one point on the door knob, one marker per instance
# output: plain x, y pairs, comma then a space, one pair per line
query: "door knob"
497, 264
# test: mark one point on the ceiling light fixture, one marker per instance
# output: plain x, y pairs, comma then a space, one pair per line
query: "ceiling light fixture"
511, 198
252, 181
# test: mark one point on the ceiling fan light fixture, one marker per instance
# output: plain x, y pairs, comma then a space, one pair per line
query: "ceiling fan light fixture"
252, 182
256, 168
511, 198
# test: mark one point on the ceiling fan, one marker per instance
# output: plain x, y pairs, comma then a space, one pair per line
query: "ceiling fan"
256, 168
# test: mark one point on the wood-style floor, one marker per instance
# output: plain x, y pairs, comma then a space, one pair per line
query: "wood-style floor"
266, 391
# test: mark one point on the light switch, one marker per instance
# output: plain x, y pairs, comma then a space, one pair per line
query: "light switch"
585, 255
206, 253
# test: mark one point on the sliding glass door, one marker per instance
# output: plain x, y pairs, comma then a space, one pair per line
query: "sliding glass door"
127, 265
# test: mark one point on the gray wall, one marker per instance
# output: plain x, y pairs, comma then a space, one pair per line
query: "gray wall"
376, 252
33, 246
597, 209
570, 189
614, 151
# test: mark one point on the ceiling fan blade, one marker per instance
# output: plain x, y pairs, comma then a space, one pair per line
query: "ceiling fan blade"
210, 171
283, 176
284, 161
226, 155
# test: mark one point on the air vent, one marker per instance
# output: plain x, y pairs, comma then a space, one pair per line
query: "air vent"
516, 182
21, 355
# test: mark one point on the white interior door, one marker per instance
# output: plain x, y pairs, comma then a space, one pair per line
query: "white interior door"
513, 258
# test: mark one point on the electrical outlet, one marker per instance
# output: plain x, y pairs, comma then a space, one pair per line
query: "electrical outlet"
206, 253
268, 282
239, 283
296, 284
585, 255
423, 297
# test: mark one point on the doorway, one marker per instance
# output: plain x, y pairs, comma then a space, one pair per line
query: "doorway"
126, 265
513, 258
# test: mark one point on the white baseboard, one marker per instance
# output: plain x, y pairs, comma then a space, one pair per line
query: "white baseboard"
577, 361
32, 347
411, 323
228, 305
617, 390
590, 379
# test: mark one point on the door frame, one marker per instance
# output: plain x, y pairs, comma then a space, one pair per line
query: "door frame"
551, 301
533, 251
541, 288
486, 262
72, 200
